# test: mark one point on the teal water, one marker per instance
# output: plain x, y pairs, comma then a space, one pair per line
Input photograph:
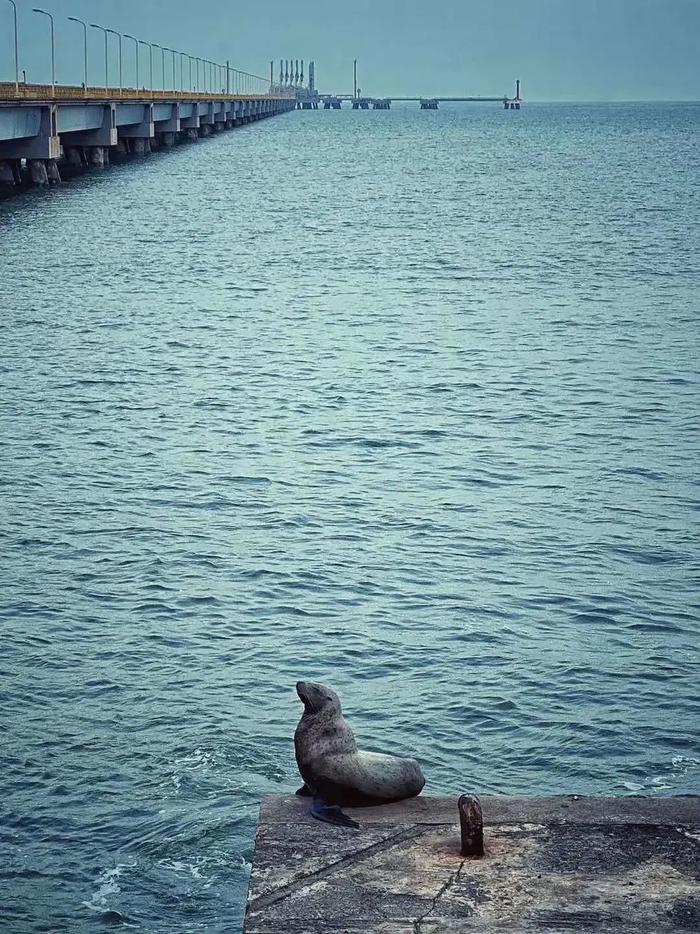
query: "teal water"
407, 402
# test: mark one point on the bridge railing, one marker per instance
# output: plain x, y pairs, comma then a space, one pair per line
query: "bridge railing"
239, 89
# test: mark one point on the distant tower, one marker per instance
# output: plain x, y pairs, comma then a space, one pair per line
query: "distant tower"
354, 79
281, 72
286, 71
312, 76
272, 73
296, 71
301, 76
517, 90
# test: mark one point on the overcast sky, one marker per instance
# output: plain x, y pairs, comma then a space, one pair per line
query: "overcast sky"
562, 49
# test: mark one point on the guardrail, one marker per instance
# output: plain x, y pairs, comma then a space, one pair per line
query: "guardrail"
62, 92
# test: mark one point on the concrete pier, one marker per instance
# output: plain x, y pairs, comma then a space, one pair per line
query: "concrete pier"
53, 172
41, 125
97, 156
38, 173
551, 865
7, 175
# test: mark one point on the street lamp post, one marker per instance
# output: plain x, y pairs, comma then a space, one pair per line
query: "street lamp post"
96, 26
14, 16
150, 62
53, 50
75, 19
136, 47
119, 36
162, 61
173, 53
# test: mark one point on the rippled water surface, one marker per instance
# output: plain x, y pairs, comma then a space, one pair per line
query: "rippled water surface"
403, 401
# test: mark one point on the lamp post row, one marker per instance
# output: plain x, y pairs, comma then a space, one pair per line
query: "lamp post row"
215, 75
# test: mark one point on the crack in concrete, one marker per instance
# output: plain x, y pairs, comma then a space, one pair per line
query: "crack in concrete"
355, 856
452, 880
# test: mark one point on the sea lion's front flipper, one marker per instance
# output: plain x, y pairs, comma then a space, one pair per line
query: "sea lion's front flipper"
331, 814
304, 791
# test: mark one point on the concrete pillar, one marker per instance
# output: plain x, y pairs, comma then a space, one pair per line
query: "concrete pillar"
53, 172
140, 146
191, 134
97, 156
205, 129
37, 173
7, 175
229, 124
166, 140
74, 156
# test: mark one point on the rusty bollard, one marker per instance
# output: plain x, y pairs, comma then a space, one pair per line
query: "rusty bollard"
471, 823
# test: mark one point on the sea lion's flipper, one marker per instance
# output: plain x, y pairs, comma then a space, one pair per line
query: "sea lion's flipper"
331, 814
304, 791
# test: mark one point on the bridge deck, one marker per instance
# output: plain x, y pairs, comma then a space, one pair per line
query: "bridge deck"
64, 94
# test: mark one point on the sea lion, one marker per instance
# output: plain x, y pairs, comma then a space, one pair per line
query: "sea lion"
338, 774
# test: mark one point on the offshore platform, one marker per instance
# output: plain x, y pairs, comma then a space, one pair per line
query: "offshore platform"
291, 77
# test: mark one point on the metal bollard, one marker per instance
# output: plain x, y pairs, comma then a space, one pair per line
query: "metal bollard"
471, 823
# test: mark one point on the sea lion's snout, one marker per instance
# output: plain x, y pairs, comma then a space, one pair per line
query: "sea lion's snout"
315, 696
305, 695
301, 690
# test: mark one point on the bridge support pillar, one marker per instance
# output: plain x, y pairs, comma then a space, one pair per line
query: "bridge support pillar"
166, 140
45, 144
140, 146
53, 172
97, 156
206, 120
74, 156
139, 135
191, 134
188, 124
7, 174
106, 135
37, 173
172, 124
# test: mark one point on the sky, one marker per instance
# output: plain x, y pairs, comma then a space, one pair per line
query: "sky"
588, 50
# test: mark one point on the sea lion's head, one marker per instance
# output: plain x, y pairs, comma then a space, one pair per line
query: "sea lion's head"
317, 697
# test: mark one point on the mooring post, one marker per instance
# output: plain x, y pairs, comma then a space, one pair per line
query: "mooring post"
471, 824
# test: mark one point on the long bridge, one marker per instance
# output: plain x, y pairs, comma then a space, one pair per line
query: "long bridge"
51, 131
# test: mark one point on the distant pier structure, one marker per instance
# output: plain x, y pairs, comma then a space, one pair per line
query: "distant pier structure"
515, 102
358, 101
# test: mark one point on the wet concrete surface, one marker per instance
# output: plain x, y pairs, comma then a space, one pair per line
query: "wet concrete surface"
551, 865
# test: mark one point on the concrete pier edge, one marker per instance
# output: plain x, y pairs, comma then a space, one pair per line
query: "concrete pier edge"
552, 864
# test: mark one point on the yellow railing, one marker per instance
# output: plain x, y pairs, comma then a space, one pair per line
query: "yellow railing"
62, 92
